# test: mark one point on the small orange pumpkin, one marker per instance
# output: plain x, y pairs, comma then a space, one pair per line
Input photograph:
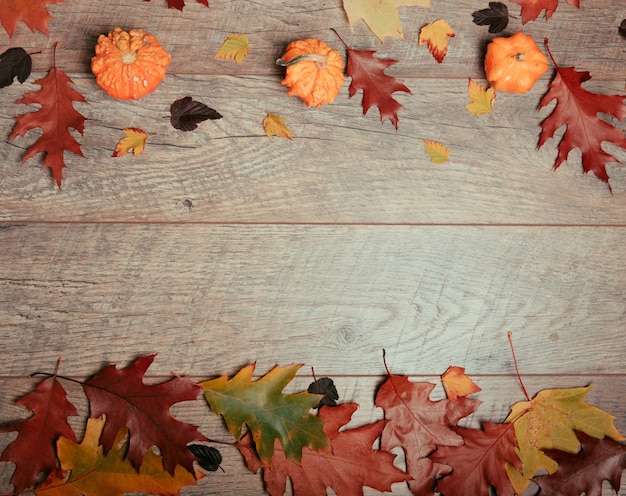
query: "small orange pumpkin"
129, 64
514, 64
314, 71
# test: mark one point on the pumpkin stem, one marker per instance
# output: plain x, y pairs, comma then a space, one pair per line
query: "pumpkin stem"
520, 57
320, 60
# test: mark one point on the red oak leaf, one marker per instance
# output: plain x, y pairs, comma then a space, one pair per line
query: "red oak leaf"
32, 12
350, 464
578, 109
121, 395
368, 74
531, 9
179, 4
55, 118
33, 451
420, 425
480, 462
584, 472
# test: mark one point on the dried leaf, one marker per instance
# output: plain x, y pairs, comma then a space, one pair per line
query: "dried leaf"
56, 116
368, 74
186, 114
268, 412
326, 387
180, 4
14, 63
380, 15
135, 140
496, 17
349, 465
437, 152
121, 395
457, 384
579, 111
436, 35
235, 47
32, 12
531, 9
481, 98
209, 458
274, 125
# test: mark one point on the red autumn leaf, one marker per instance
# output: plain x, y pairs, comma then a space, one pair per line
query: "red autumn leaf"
531, 9
480, 462
55, 118
33, 451
420, 425
584, 472
350, 464
368, 74
121, 395
578, 109
31, 12
179, 4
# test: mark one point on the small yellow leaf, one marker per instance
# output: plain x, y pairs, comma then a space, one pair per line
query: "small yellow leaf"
438, 153
135, 140
274, 125
235, 47
457, 384
436, 34
481, 98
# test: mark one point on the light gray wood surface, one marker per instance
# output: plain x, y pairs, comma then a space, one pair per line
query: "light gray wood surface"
221, 247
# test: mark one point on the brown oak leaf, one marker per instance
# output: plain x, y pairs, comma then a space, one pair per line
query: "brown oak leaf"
350, 464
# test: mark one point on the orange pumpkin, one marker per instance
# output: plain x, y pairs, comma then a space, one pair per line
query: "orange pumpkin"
514, 64
129, 64
314, 71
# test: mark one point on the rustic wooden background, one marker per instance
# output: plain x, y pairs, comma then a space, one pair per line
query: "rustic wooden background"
220, 247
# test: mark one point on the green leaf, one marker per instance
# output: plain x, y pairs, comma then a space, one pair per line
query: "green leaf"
267, 411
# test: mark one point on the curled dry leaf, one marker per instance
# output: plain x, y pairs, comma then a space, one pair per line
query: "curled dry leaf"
274, 125
14, 63
235, 47
187, 113
134, 141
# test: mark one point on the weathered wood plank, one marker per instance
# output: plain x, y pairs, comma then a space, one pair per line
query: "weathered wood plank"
341, 167
585, 37
497, 394
331, 297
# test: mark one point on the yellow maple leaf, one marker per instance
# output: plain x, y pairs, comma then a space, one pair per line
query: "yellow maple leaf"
381, 16
481, 98
235, 47
436, 35
438, 153
274, 125
548, 421
457, 384
91, 473
135, 140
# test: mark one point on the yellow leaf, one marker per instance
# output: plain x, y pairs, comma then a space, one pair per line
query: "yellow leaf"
482, 99
548, 421
274, 125
457, 384
235, 47
135, 140
438, 153
91, 473
380, 15
436, 35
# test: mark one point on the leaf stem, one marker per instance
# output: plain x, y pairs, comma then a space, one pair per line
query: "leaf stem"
519, 377
545, 42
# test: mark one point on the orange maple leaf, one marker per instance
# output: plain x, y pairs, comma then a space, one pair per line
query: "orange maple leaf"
457, 384
436, 35
31, 12
134, 140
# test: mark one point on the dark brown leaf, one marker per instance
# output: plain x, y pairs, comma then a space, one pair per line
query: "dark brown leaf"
188, 113
14, 62
324, 386
209, 458
496, 17
622, 28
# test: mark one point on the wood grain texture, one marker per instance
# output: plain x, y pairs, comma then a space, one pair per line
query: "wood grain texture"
337, 169
329, 296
